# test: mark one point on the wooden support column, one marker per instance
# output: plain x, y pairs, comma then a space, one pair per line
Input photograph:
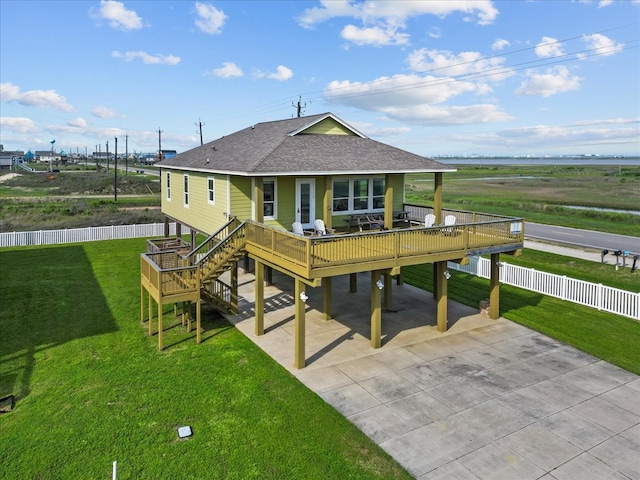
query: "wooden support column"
388, 291
400, 278
388, 202
353, 282
376, 311
268, 275
198, 320
259, 298
150, 315
142, 289
326, 298
299, 359
494, 293
327, 202
160, 326
178, 230
233, 272
437, 197
166, 227
194, 239
258, 199
441, 296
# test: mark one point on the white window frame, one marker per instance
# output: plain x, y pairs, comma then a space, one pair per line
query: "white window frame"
185, 187
168, 179
211, 190
351, 199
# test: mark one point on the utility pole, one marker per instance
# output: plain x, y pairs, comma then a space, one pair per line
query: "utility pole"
107, 157
98, 147
200, 124
159, 144
299, 107
115, 178
126, 154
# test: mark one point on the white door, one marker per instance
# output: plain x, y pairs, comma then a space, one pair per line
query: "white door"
305, 201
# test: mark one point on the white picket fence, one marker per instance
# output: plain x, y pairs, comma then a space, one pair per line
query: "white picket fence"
88, 234
595, 295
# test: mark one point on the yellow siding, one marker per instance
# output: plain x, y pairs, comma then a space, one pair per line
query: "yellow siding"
240, 197
328, 126
200, 214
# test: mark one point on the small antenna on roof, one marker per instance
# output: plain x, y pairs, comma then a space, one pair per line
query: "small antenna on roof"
299, 106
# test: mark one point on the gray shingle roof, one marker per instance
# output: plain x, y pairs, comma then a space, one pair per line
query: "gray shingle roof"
269, 148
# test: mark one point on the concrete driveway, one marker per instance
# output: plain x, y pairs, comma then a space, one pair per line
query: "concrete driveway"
489, 399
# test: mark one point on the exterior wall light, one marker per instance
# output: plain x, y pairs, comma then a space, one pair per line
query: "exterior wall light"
304, 297
380, 284
447, 275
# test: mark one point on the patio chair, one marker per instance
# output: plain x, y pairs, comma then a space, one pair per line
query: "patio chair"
375, 223
321, 229
298, 230
429, 220
449, 221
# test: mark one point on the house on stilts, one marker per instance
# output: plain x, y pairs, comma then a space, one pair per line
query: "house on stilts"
244, 192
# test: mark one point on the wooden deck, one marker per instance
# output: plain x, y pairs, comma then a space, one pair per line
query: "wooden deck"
169, 276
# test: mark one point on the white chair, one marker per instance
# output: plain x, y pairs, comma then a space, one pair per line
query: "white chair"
321, 228
449, 221
429, 220
298, 230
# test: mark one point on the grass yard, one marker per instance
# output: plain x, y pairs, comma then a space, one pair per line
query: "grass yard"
92, 388
541, 193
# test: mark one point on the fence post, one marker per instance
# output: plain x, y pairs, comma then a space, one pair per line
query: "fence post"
564, 287
599, 296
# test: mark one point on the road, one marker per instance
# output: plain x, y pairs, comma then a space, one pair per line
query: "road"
582, 238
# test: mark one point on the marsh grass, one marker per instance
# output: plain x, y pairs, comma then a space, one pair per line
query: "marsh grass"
92, 388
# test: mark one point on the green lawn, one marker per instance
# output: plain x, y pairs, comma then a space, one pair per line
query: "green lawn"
92, 387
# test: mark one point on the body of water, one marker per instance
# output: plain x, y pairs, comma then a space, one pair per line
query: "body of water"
612, 161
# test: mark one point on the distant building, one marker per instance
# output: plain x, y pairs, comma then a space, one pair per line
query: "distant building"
9, 158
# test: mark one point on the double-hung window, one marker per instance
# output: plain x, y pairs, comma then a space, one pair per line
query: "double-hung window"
211, 190
269, 198
186, 190
168, 177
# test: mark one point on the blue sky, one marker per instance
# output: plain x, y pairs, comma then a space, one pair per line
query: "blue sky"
432, 77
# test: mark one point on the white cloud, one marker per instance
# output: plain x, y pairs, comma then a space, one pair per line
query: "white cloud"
147, 58
281, 74
549, 47
78, 122
18, 124
554, 80
500, 43
449, 115
118, 16
375, 36
209, 19
442, 62
104, 112
397, 11
34, 98
601, 45
228, 70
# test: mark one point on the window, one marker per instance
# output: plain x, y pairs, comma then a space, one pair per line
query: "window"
168, 185
358, 194
269, 198
211, 190
186, 190
341, 195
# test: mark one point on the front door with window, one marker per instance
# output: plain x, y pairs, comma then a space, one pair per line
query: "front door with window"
305, 201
